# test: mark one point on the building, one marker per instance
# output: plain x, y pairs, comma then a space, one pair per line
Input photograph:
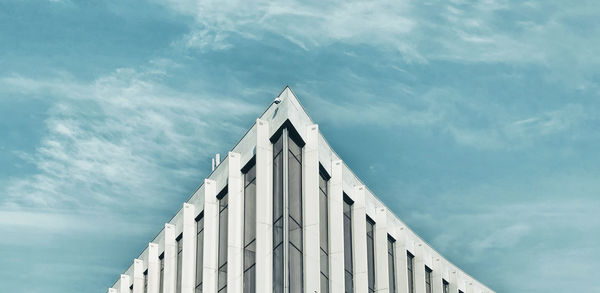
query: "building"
283, 213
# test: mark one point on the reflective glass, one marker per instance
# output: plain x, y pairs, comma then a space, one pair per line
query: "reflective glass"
391, 264
295, 149
199, 253
295, 234
295, 189
427, 280
250, 280
278, 187
250, 230
348, 247
324, 284
295, 270
348, 282
179, 263
411, 275
223, 224
278, 269
370, 255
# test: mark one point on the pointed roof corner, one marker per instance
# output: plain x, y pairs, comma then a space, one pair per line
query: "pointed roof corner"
288, 94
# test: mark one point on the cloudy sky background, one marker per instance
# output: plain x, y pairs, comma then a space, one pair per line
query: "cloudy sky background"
475, 121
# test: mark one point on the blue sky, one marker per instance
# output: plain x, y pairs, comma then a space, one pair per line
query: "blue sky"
475, 121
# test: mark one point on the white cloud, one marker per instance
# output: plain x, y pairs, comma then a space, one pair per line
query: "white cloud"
485, 31
121, 138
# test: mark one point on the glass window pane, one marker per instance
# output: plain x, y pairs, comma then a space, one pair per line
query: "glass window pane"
278, 187
295, 234
349, 286
250, 280
179, 264
409, 266
278, 232
323, 184
324, 284
250, 175
250, 255
295, 190
199, 255
370, 255
278, 269
348, 244
323, 222
295, 150
278, 145
222, 277
249, 213
223, 237
324, 263
295, 270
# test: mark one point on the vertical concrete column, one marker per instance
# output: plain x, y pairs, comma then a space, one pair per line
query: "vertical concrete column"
453, 280
211, 237
336, 229
112, 290
138, 276
124, 284
312, 251
436, 276
470, 286
382, 279
170, 259
235, 233
188, 259
264, 208
359, 233
401, 260
153, 268
419, 269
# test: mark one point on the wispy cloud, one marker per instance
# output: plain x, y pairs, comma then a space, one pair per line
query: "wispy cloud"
486, 31
111, 141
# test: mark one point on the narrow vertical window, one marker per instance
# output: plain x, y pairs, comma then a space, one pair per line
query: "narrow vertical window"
222, 276
146, 281
278, 216
250, 230
392, 263
287, 213
131, 288
199, 251
295, 248
348, 267
445, 286
179, 262
411, 275
324, 232
427, 280
371, 254
161, 259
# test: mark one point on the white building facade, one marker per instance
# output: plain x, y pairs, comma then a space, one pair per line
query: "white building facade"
283, 213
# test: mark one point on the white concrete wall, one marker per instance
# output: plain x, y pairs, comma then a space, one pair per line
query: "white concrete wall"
170, 259
138, 276
211, 237
188, 263
312, 251
264, 208
359, 235
235, 233
336, 229
382, 281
